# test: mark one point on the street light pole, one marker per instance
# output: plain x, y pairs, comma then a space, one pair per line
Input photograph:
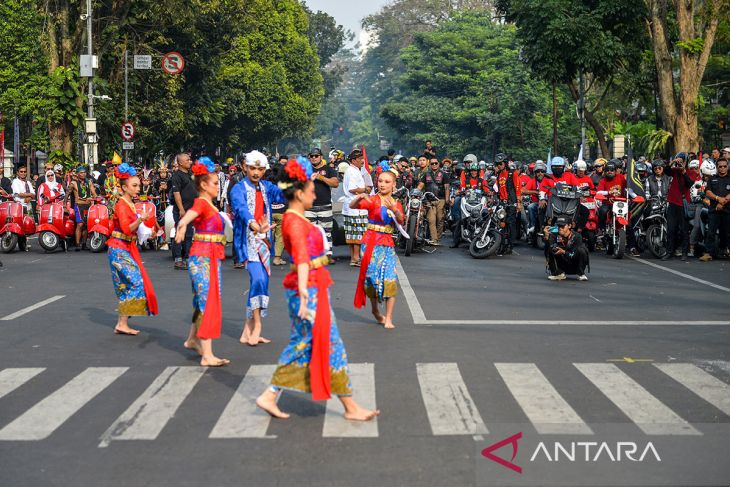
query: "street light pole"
582, 108
126, 94
91, 143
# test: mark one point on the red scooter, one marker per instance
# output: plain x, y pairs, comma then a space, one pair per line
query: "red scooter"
99, 225
617, 219
55, 227
15, 226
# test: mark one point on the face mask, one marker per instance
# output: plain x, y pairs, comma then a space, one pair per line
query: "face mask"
558, 171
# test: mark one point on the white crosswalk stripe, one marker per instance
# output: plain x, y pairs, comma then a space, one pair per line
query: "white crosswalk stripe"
242, 418
335, 425
707, 386
44, 418
148, 415
648, 412
543, 405
450, 408
11, 379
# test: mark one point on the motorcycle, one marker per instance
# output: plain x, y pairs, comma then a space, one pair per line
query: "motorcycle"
471, 205
617, 219
415, 217
55, 226
563, 202
590, 230
100, 225
651, 232
15, 226
490, 233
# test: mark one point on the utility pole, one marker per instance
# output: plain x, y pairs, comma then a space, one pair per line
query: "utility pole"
581, 110
555, 122
91, 136
126, 92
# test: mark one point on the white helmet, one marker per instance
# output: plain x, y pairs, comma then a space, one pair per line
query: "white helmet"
342, 167
469, 158
694, 191
580, 165
694, 164
708, 168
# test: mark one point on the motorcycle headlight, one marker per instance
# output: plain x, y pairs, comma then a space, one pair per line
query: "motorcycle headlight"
415, 203
501, 213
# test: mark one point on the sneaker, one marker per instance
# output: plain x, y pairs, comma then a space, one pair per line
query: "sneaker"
635, 252
582, 277
559, 277
164, 247
678, 253
706, 258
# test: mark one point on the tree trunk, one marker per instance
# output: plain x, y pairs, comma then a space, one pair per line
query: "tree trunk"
592, 120
679, 110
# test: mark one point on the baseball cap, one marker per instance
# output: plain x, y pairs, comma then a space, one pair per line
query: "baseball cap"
315, 152
726, 149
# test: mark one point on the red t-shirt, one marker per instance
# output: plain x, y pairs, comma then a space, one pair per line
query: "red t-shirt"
533, 186
585, 182
618, 181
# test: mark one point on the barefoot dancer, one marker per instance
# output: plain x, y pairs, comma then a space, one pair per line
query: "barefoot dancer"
378, 279
251, 200
314, 360
131, 283
208, 248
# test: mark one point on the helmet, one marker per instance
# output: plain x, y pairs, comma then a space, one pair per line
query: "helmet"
500, 157
658, 163
557, 161
484, 165
708, 168
580, 165
616, 163
511, 165
641, 167
694, 164
342, 167
600, 162
531, 166
540, 166
611, 166
473, 166
469, 158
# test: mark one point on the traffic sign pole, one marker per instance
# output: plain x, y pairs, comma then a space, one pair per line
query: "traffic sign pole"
126, 96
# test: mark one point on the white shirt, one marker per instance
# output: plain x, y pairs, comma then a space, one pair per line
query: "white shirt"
367, 178
22, 187
353, 179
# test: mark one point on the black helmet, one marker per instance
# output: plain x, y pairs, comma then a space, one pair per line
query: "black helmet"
611, 166
499, 158
616, 163
641, 167
658, 163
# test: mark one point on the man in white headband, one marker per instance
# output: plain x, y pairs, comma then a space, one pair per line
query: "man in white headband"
251, 201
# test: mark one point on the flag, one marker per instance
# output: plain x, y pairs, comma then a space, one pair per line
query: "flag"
633, 180
117, 159
365, 156
548, 162
580, 154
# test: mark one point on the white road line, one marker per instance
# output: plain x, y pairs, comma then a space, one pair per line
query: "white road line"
148, 415
409, 294
23, 311
707, 386
335, 425
450, 408
38, 422
573, 323
543, 405
645, 410
242, 418
11, 379
681, 274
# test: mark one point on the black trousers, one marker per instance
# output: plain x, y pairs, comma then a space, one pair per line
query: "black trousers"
677, 229
718, 221
181, 251
512, 224
576, 264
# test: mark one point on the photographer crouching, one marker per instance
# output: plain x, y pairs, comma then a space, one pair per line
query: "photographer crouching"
566, 253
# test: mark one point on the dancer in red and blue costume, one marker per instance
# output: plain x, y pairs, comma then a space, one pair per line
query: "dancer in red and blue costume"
378, 279
208, 248
315, 359
131, 282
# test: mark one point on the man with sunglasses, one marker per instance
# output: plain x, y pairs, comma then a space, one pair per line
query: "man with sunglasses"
718, 192
23, 191
321, 211
598, 166
435, 181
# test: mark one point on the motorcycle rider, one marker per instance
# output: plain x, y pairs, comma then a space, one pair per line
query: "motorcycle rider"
435, 181
472, 180
718, 192
566, 253
598, 166
698, 193
560, 175
582, 179
637, 210
510, 193
612, 184
535, 215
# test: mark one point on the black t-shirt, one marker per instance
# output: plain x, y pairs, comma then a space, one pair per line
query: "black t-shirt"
720, 187
182, 183
7, 185
324, 192
434, 182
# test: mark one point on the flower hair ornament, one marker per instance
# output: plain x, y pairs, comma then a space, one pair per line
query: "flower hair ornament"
125, 171
299, 169
204, 165
383, 166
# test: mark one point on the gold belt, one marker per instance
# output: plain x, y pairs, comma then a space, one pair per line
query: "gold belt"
122, 236
210, 237
314, 263
380, 228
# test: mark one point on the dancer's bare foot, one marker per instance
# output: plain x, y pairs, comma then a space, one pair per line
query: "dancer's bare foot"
264, 340
193, 345
214, 361
125, 330
361, 414
267, 402
388, 325
379, 317
244, 339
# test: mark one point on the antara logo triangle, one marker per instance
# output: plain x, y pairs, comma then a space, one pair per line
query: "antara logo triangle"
487, 452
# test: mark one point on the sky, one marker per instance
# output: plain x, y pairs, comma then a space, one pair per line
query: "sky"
349, 13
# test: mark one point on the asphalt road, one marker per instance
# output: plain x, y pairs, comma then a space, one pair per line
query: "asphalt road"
483, 350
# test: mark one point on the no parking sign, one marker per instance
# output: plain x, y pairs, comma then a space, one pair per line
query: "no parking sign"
173, 63
128, 131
